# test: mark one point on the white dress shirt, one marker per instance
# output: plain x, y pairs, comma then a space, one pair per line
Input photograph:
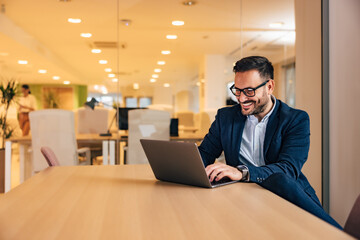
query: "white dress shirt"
252, 143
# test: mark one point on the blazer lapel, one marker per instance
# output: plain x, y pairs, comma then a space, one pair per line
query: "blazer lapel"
237, 131
271, 127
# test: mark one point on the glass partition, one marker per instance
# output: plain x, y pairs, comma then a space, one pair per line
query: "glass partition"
168, 55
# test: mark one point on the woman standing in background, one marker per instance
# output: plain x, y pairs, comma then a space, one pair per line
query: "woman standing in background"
27, 104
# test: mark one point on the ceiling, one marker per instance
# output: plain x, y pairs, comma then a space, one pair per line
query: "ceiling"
38, 31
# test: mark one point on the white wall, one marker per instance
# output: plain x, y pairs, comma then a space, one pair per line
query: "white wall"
182, 100
308, 81
214, 87
162, 95
344, 52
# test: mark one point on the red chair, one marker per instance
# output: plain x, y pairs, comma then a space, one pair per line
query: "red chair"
49, 156
352, 225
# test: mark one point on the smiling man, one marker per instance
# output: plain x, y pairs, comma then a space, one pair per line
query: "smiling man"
264, 140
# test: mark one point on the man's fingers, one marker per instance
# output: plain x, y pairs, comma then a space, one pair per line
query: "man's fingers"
213, 170
210, 168
229, 172
216, 171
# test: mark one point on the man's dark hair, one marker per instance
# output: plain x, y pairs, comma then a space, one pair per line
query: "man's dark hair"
262, 64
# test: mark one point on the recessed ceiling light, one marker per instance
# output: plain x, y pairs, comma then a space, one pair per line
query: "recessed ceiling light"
198, 84
114, 80
166, 84
165, 52
171, 36
108, 70
66, 82
161, 62
157, 70
96, 87
153, 80
189, 3
74, 20
178, 23
125, 22
42, 71
56, 77
96, 50
276, 24
103, 61
136, 86
22, 62
86, 35
111, 75
155, 76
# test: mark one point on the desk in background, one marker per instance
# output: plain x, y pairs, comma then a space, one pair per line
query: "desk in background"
126, 202
108, 150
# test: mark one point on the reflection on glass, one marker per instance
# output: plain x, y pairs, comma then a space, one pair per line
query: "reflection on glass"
214, 36
290, 84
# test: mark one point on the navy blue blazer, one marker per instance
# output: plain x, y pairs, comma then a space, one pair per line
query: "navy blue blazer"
286, 144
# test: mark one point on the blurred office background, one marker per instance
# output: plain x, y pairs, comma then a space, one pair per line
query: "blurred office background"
178, 56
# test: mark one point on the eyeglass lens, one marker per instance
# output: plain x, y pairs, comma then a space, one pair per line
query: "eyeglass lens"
249, 92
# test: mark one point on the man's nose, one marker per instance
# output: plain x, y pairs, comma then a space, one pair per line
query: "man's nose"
242, 97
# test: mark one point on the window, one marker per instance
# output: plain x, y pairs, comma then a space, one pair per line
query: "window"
144, 102
141, 102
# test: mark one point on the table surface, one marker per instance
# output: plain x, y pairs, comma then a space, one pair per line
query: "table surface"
127, 202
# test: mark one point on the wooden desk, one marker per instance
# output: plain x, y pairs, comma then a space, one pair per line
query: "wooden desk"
126, 202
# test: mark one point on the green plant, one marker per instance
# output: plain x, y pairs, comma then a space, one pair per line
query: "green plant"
8, 93
51, 100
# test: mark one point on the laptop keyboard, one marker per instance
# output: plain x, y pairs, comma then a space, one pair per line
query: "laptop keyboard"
221, 181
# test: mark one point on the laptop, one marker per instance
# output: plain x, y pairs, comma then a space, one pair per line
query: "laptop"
178, 162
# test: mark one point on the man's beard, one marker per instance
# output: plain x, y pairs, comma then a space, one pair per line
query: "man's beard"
259, 106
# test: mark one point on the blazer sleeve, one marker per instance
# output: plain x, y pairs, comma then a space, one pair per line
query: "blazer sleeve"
293, 144
211, 147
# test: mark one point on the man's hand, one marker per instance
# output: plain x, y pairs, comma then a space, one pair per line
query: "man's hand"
218, 171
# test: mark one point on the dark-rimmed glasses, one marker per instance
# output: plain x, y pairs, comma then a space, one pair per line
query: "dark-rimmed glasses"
249, 92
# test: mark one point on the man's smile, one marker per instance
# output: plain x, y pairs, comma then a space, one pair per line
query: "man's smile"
247, 104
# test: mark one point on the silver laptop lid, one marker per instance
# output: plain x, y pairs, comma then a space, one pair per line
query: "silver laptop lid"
177, 162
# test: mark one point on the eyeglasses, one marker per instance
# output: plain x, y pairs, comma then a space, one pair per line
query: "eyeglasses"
249, 92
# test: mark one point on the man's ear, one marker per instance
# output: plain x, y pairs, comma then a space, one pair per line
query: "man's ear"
270, 86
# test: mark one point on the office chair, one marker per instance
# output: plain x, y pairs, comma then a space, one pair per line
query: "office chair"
145, 124
91, 120
55, 128
186, 118
49, 156
352, 225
